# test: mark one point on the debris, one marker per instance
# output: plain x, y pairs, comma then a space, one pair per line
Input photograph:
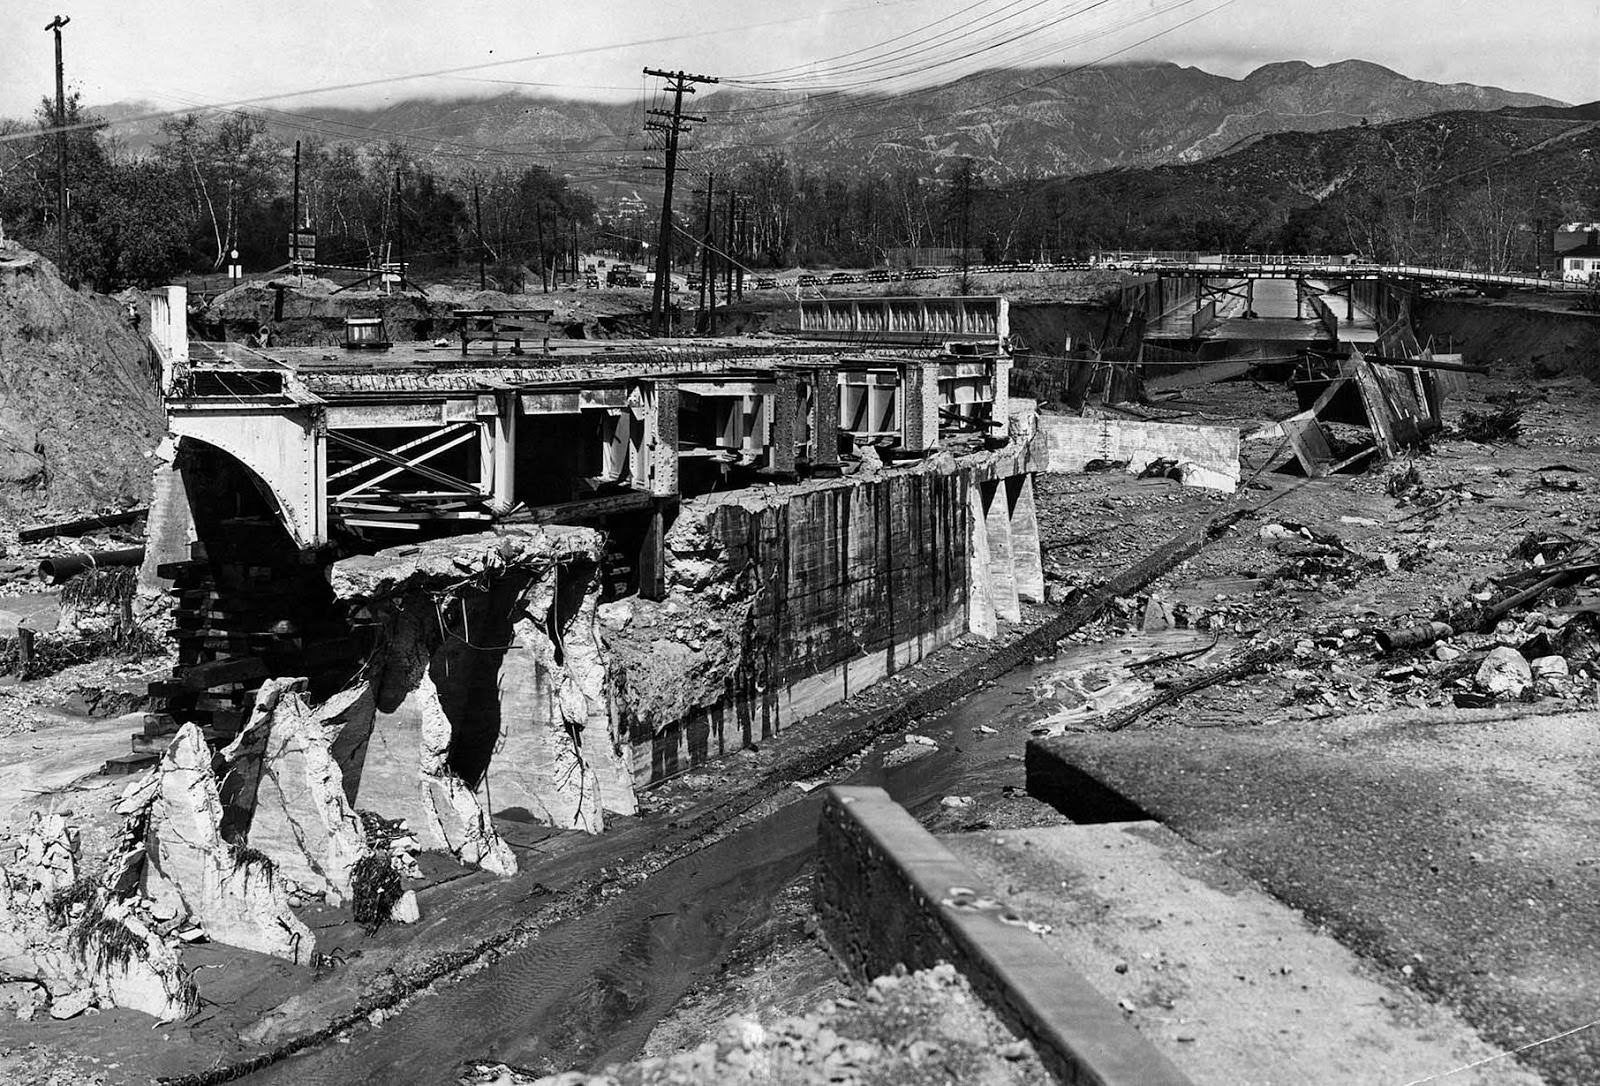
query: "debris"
956, 802
1411, 637
1250, 662
1550, 668
1504, 671
1491, 427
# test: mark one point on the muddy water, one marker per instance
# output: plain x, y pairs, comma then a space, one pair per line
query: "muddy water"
587, 992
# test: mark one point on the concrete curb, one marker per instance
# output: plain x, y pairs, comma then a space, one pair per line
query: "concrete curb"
888, 892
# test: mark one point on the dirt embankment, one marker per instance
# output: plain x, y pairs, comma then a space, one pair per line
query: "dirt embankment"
78, 404
1550, 341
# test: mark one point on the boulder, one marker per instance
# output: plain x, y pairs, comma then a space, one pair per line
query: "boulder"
1504, 671
72, 1004
1550, 668
406, 910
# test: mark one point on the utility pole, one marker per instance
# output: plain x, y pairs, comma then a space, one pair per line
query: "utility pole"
294, 222
729, 248
675, 124
966, 220
477, 210
399, 230
61, 145
538, 225
708, 267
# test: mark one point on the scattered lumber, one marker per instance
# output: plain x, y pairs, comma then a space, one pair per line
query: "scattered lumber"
1251, 662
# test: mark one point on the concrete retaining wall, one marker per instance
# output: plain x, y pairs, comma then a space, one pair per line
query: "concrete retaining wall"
888, 892
1209, 454
852, 583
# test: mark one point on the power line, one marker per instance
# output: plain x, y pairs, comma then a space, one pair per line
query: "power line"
695, 35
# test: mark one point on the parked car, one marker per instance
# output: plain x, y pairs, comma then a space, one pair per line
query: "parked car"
841, 277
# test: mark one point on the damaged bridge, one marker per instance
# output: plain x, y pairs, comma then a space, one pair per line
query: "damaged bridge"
431, 588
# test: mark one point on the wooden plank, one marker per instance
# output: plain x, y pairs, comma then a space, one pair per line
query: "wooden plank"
1380, 418
1309, 442
81, 526
584, 508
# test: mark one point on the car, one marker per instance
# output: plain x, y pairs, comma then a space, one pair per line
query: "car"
877, 275
841, 277
808, 281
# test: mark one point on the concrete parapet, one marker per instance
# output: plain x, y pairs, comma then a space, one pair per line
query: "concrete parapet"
888, 893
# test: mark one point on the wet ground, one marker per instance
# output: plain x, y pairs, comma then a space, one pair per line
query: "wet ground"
589, 992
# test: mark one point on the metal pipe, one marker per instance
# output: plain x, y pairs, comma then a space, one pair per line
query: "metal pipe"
63, 567
1413, 637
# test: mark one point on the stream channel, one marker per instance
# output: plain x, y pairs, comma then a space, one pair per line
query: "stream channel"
588, 991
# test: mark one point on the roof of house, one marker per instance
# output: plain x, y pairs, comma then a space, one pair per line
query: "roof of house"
1590, 251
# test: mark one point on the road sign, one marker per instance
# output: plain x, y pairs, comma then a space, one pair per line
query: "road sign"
303, 247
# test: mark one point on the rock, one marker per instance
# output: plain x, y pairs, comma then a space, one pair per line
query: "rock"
1157, 616
72, 1004
239, 898
301, 816
22, 997
905, 753
1504, 671
406, 910
1444, 653
1550, 667
956, 802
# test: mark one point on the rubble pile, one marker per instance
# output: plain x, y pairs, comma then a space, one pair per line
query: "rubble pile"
78, 942
896, 1029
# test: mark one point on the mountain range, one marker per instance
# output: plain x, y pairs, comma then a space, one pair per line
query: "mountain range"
1034, 122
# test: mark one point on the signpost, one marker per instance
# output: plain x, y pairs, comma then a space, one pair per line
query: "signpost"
302, 247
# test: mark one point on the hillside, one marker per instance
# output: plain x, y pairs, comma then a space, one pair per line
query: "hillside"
1449, 184
78, 406
1014, 122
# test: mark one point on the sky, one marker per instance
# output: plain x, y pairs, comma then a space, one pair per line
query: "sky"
178, 54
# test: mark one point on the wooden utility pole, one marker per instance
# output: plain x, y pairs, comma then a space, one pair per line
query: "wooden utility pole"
294, 221
675, 124
477, 210
708, 263
61, 145
399, 232
730, 248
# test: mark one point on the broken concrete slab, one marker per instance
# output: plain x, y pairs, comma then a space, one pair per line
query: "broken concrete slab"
300, 816
237, 895
1207, 456
489, 691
